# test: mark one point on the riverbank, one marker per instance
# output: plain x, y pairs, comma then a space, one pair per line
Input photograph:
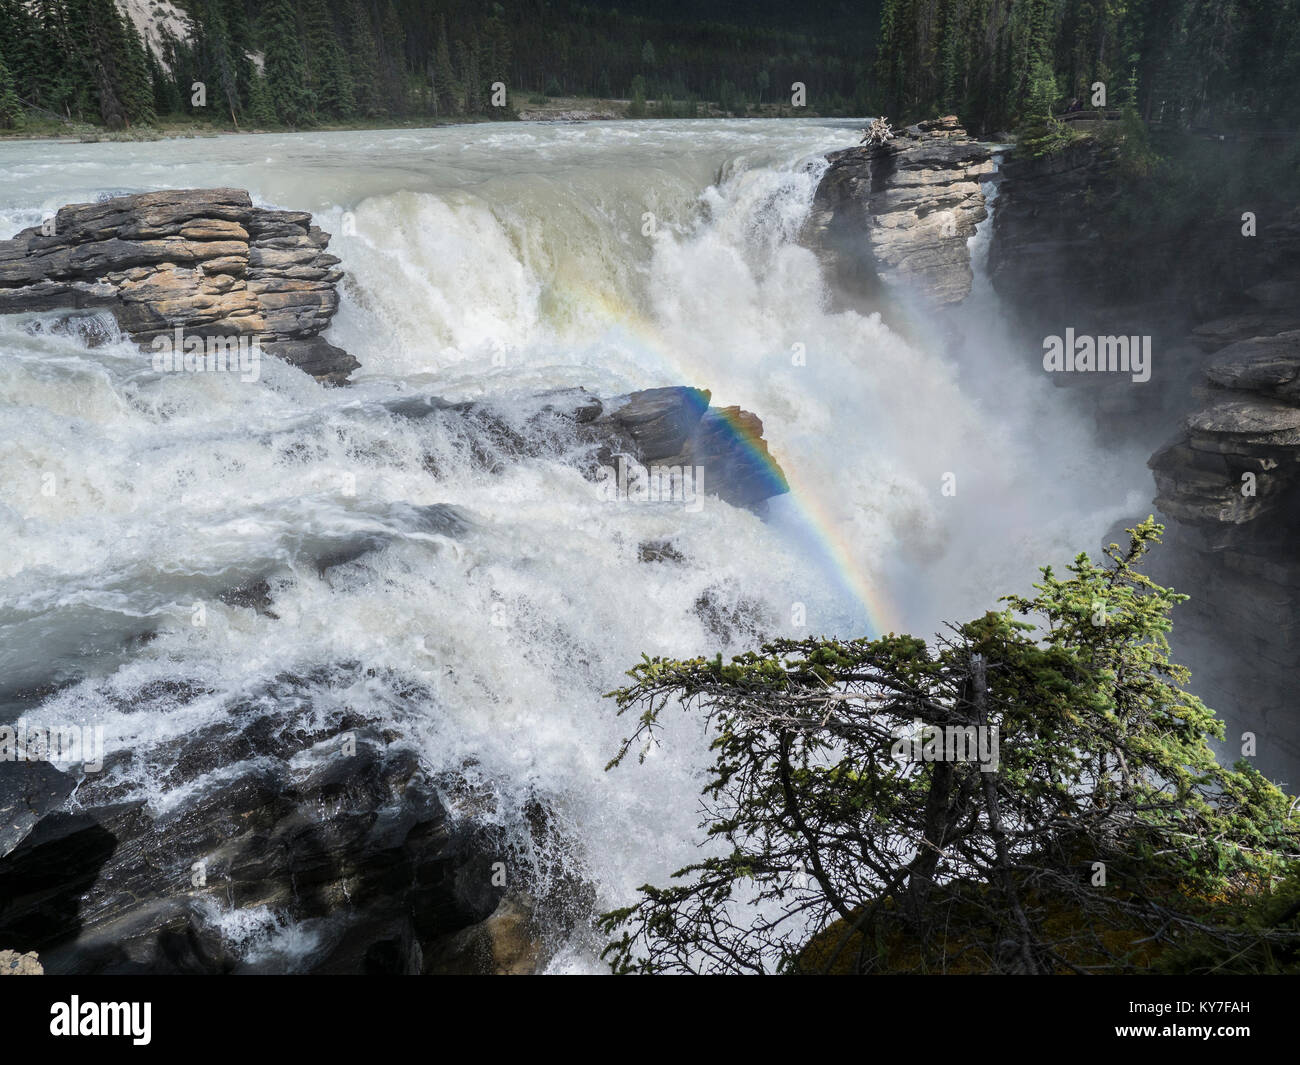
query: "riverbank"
531, 109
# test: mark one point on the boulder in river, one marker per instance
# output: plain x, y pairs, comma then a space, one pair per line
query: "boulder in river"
202, 261
291, 834
901, 212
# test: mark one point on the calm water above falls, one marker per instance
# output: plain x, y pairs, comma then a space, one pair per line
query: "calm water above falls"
498, 261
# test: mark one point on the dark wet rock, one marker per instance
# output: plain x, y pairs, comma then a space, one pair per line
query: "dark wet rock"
1049, 247
676, 427
658, 551
252, 594
205, 261
28, 791
1229, 481
901, 213
507, 943
1269, 364
286, 810
672, 426
731, 616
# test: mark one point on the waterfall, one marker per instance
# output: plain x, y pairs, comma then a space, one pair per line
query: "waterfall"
494, 262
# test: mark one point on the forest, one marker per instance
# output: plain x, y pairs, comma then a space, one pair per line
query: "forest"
301, 62
1181, 63
994, 63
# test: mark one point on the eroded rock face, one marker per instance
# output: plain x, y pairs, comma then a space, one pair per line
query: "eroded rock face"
900, 214
205, 261
671, 427
1066, 252
14, 964
1230, 480
280, 812
508, 943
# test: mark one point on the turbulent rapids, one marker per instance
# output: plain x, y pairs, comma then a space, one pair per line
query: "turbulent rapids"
196, 555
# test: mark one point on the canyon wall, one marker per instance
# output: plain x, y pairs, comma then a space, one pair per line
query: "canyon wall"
1221, 415
892, 219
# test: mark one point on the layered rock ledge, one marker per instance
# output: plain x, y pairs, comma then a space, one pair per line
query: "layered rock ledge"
900, 214
1230, 480
283, 810
672, 428
205, 261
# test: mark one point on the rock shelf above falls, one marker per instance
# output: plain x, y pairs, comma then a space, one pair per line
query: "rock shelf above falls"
209, 263
916, 199
205, 261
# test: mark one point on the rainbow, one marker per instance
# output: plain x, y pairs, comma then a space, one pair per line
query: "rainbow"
811, 513
815, 520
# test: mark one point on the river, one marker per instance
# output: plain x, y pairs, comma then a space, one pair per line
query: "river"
496, 261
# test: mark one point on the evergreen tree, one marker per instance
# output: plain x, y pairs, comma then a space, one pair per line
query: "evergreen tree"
365, 61
392, 61
470, 79
445, 87
947, 807
95, 40
496, 51
286, 74
166, 93
217, 55
636, 109
52, 56
330, 78
20, 42
240, 30
261, 109
136, 86
11, 111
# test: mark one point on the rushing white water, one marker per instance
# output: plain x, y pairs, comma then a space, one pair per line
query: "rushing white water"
497, 261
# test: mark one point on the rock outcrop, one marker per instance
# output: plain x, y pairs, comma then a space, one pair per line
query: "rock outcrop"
1048, 247
284, 811
676, 427
900, 214
1075, 246
204, 261
508, 943
671, 427
14, 964
1230, 482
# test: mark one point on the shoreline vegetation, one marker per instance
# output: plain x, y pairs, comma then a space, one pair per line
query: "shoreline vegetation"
299, 64
573, 111
79, 67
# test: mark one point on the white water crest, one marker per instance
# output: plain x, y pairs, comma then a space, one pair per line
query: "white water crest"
494, 262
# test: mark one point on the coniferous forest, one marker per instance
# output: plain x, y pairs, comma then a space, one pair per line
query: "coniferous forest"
1183, 63
301, 62
993, 62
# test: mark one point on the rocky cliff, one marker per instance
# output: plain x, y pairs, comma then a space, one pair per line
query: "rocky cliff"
1071, 248
298, 828
1229, 482
278, 816
204, 261
898, 215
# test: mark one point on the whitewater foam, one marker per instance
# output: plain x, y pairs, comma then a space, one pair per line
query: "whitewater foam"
496, 263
